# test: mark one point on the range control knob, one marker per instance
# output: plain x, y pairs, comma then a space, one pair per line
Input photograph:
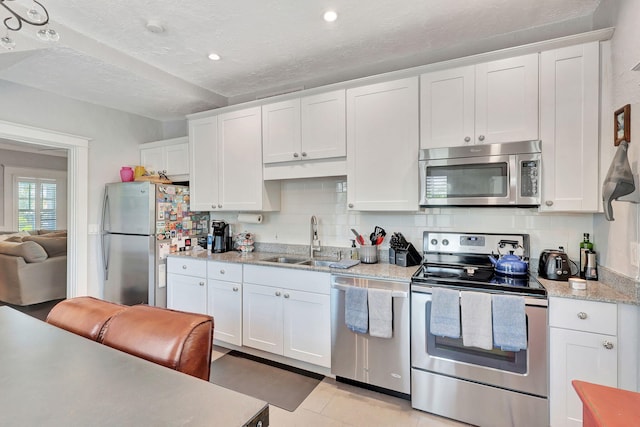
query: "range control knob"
434, 242
445, 242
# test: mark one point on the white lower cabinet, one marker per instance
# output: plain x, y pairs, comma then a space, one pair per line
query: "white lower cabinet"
287, 312
583, 346
186, 285
224, 301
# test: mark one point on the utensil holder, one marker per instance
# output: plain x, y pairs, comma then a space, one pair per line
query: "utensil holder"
369, 254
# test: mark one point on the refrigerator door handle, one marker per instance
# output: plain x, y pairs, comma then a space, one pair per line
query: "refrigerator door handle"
105, 207
105, 256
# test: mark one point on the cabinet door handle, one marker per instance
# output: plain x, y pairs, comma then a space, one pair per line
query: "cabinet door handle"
235, 289
221, 271
278, 293
481, 138
467, 139
350, 205
295, 155
201, 283
304, 154
286, 295
219, 206
608, 345
582, 315
549, 203
184, 267
213, 206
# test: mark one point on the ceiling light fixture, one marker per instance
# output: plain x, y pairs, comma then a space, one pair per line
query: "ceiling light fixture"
37, 15
214, 57
330, 16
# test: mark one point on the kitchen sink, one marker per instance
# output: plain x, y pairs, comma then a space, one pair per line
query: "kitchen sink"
300, 261
317, 263
284, 260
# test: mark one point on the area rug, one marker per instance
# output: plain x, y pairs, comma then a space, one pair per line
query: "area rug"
264, 380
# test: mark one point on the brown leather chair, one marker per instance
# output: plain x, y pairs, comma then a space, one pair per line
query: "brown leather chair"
85, 316
175, 339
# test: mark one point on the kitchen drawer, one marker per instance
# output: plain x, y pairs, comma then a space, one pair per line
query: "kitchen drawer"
290, 278
581, 315
226, 271
187, 266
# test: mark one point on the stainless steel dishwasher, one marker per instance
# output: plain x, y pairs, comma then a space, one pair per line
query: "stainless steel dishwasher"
377, 362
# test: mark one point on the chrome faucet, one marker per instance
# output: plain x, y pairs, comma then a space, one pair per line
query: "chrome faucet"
314, 242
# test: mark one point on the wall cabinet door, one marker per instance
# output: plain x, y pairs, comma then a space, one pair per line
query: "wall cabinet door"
240, 160
447, 108
492, 102
203, 176
307, 327
569, 96
187, 293
262, 318
153, 159
382, 146
281, 131
507, 100
177, 159
323, 126
577, 355
225, 305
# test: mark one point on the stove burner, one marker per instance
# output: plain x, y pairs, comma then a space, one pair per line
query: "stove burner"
440, 274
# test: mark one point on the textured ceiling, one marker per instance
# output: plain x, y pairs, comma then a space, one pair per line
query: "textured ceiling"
106, 55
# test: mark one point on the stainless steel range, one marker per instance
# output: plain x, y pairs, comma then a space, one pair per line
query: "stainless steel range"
485, 387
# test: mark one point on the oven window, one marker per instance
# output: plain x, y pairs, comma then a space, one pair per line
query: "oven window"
452, 349
472, 180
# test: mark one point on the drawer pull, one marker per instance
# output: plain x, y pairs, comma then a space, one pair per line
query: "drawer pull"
235, 289
286, 295
201, 283
582, 315
278, 293
184, 267
221, 271
608, 345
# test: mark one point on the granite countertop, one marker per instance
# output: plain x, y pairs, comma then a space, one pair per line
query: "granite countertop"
607, 290
379, 270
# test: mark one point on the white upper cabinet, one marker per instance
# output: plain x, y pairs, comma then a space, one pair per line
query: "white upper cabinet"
308, 128
170, 156
569, 101
382, 146
492, 102
203, 179
227, 168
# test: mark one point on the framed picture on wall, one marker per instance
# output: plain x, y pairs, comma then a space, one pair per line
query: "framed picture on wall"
622, 125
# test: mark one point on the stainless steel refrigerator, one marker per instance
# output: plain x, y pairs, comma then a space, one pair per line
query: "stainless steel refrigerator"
142, 223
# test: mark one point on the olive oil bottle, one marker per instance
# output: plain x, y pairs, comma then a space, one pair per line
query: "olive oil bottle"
585, 246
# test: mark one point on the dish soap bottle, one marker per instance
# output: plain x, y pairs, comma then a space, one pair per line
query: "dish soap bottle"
354, 250
585, 246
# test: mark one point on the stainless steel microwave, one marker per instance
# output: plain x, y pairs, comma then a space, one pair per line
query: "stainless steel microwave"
506, 174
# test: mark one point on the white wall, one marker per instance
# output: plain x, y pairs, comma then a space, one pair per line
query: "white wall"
614, 238
114, 135
305, 197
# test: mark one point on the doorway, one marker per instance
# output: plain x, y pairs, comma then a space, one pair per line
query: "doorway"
77, 197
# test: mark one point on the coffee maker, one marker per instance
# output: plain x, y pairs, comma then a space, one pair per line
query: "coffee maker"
220, 232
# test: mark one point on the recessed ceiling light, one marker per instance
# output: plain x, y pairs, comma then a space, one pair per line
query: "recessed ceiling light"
214, 57
330, 16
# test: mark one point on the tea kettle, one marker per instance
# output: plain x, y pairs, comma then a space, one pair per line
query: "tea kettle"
509, 264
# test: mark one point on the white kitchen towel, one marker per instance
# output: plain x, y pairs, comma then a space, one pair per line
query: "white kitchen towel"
476, 319
356, 312
445, 313
509, 322
380, 313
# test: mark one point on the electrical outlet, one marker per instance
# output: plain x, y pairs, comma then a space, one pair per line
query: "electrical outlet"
633, 253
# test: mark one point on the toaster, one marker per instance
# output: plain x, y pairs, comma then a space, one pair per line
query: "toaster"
554, 265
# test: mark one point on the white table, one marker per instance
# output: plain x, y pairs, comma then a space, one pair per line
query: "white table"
51, 377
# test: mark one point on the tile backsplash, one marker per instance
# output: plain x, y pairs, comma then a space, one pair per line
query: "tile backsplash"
326, 198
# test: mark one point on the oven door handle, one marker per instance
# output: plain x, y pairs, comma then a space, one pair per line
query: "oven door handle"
394, 294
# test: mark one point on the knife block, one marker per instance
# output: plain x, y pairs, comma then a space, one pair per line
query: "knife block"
407, 257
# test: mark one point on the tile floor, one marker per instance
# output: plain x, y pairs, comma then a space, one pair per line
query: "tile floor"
334, 404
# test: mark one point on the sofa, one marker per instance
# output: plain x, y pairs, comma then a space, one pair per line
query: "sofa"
174, 339
33, 266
